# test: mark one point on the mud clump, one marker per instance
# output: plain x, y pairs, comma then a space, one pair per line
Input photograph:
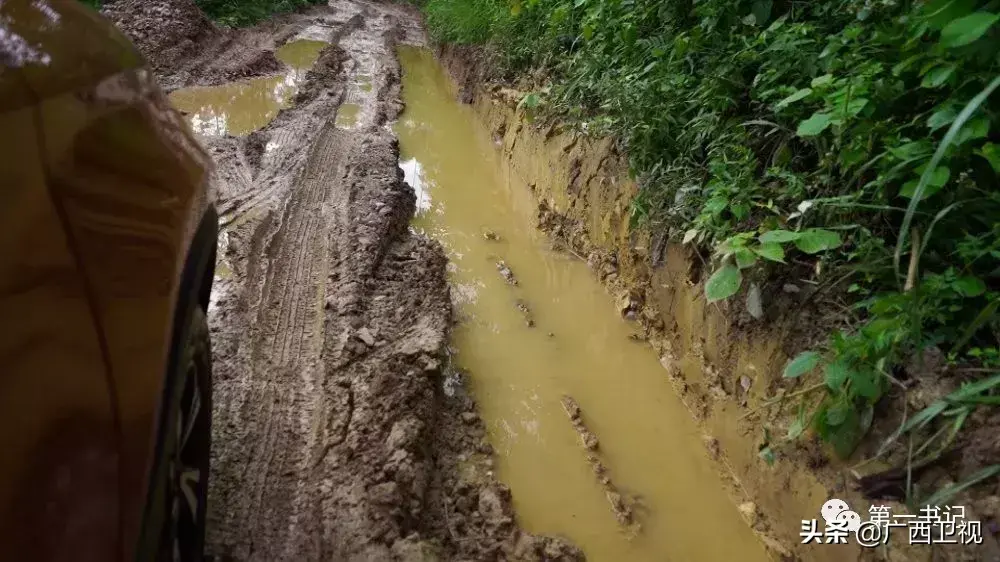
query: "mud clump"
620, 506
469, 508
506, 273
165, 31
522, 306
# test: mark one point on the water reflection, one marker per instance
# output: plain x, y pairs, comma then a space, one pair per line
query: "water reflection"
242, 107
413, 175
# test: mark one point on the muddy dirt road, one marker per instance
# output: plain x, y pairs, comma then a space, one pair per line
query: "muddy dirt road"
332, 438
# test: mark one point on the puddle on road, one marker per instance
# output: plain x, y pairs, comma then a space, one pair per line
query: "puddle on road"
347, 115
301, 54
648, 441
242, 107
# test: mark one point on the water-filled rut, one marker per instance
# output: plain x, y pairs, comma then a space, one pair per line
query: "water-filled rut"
590, 436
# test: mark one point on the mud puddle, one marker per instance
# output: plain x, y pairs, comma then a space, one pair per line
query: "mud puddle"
619, 468
240, 108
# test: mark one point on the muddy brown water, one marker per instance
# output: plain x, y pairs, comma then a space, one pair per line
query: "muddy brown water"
243, 107
578, 347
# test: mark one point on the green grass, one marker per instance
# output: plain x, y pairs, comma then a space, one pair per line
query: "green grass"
857, 139
237, 13
471, 21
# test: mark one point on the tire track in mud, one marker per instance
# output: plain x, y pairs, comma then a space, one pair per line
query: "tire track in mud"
286, 415
331, 438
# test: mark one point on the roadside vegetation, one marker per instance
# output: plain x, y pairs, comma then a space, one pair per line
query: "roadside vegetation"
855, 143
238, 13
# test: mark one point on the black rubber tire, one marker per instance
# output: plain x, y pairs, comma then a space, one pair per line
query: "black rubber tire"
188, 449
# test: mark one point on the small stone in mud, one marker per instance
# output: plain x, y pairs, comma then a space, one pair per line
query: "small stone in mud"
469, 417
551, 335
712, 445
789, 288
589, 440
749, 512
365, 335
507, 274
485, 447
622, 512
629, 304
491, 236
526, 312
571, 407
494, 501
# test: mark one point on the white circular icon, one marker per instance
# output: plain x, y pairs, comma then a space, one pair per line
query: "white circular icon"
832, 508
852, 518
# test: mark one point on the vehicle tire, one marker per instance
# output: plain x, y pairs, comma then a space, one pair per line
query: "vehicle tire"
187, 449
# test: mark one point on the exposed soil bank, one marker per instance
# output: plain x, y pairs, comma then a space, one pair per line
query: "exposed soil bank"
722, 365
590, 436
329, 318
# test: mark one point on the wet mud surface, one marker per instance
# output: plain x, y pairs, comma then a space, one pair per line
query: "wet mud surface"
333, 438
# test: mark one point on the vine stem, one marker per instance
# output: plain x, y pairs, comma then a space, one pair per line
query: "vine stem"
782, 398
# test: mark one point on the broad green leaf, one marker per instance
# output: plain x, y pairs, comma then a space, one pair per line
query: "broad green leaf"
802, 364
969, 286
837, 414
723, 283
762, 11
731, 244
942, 117
744, 258
803, 93
867, 383
821, 80
939, 13
835, 374
771, 251
974, 129
814, 125
937, 75
815, 240
796, 429
911, 150
778, 236
854, 107
991, 152
938, 178
740, 210
965, 30
845, 436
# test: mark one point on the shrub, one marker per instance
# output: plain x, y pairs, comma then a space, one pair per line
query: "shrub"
859, 137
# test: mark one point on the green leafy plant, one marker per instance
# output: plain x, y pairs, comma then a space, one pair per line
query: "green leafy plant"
854, 145
238, 13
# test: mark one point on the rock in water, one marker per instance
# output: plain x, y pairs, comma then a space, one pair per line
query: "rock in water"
507, 274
